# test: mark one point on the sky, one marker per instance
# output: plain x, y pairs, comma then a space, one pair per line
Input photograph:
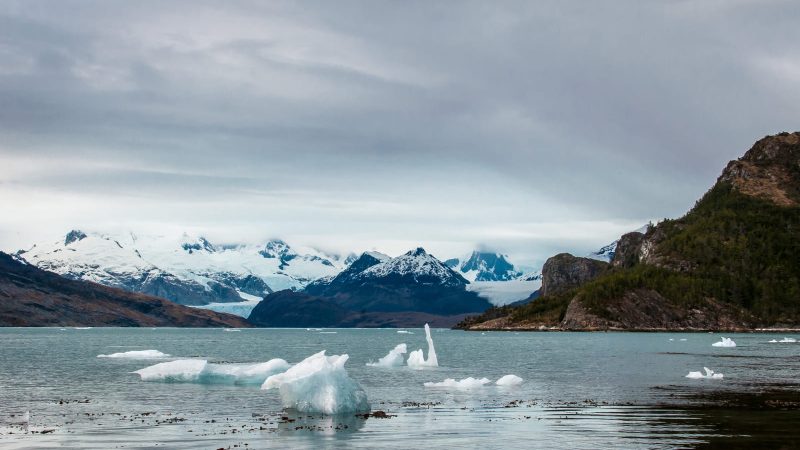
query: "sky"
528, 128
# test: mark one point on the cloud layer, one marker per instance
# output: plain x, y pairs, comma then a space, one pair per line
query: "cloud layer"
530, 127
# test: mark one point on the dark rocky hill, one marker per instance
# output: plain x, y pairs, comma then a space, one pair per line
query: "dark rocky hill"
33, 297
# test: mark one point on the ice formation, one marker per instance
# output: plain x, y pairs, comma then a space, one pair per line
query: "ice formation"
416, 359
404, 332
319, 384
393, 359
708, 375
785, 340
466, 383
203, 372
725, 342
137, 354
509, 380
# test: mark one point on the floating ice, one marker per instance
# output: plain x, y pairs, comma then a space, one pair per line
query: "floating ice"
393, 359
509, 380
786, 339
137, 354
404, 332
466, 383
319, 384
708, 375
416, 359
773, 341
684, 339
231, 329
725, 342
203, 372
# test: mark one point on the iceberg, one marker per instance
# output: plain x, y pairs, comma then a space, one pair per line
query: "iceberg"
404, 332
416, 359
789, 340
466, 383
509, 380
319, 384
137, 354
773, 341
393, 359
202, 372
725, 342
709, 375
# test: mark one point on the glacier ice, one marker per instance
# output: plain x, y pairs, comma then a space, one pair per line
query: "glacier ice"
509, 380
137, 354
466, 383
725, 342
319, 384
393, 359
416, 359
708, 375
788, 340
202, 372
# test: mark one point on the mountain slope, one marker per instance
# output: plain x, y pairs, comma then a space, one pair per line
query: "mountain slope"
187, 270
730, 263
484, 266
375, 291
33, 297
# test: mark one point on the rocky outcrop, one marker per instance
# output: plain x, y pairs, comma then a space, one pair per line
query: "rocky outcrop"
645, 309
770, 170
31, 297
629, 250
563, 272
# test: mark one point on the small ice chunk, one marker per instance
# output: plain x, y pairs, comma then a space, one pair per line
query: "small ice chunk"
788, 340
466, 383
404, 332
683, 339
393, 359
509, 380
773, 341
202, 372
137, 354
416, 359
709, 374
319, 384
725, 342
671, 339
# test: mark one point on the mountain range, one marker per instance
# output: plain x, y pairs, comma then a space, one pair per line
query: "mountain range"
376, 290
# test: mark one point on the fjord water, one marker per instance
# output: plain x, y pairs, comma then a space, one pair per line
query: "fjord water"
580, 390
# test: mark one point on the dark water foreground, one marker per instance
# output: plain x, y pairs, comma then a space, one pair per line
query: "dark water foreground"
581, 390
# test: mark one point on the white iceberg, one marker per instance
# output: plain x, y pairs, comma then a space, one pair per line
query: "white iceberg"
509, 380
788, 340
393, 359
466, 383
725, 342
416, 359
202, 372
708, 375
404, 332
137, 354
773, 341
319, 384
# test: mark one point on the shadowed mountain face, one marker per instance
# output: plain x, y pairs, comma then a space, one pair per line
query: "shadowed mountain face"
730, 263
33, 297
376, 291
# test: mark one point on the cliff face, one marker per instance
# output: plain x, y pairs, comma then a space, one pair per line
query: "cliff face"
563, 272
32, 297
731, 263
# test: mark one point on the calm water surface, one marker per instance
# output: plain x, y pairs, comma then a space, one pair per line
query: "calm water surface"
581, 390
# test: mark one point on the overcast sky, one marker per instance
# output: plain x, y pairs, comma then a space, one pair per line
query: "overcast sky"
527, 127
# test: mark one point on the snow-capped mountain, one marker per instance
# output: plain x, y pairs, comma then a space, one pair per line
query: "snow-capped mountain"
484, 266
606, 253
186, 269
376, 290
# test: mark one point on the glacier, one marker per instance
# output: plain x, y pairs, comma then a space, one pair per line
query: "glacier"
137, 354
725, 342
416, 359
319, 384
202, 372
509, 380
393, 359
709, 375
466, 383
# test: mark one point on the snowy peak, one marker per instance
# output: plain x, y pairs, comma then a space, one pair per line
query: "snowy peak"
73, 236
199, 244
485, 266
415, 266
